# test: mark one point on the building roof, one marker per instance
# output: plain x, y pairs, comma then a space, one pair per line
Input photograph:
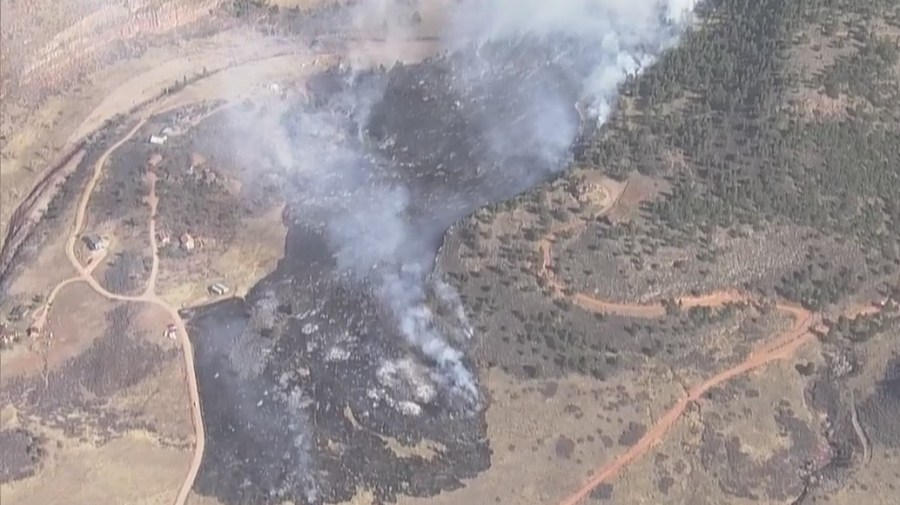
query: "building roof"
94, 241
218, 288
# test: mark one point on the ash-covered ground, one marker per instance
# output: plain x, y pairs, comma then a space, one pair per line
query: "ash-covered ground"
355, 341
303, 383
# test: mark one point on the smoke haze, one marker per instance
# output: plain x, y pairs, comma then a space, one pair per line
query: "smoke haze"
526, 74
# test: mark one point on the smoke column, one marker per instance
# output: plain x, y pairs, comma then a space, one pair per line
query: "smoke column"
576, 53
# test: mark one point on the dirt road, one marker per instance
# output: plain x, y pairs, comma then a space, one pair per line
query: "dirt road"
779, 347
85, 274
860, 432
149, 296
229, 79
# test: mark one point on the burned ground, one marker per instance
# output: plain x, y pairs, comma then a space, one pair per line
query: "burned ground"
66, 198
297, 402
881, 412
80, 397
310, 340
199, 174
740, 476
22, 454
120, 192
314, 343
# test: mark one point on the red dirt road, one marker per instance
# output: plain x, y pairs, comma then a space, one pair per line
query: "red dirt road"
781, 346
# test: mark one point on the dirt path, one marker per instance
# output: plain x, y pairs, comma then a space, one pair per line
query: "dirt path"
85, 274
781, 346
860, 433
153, 202
149, 296
417, 49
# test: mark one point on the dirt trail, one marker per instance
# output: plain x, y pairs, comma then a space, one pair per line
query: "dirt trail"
860, 433
781, 346
153, 201
417, 49
85, 274
149, 296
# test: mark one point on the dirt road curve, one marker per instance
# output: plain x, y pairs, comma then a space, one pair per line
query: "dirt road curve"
417, 48
148, 296
780, 347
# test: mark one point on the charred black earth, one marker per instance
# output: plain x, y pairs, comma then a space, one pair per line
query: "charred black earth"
307, 381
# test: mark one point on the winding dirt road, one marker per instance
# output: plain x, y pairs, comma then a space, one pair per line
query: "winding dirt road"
148, 296
781, 346
860, 432
144, 111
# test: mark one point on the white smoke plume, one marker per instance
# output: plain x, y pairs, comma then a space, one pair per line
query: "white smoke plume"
579, 53
375, 240
450, 298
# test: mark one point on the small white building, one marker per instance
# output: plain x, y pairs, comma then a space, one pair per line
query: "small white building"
218, 289
158, 139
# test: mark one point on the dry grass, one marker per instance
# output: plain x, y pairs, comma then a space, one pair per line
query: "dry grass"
871, 486
135, 467
39, 132
254, 254
196, 499
77, 318
49, 267
49, 46
679, 456
132, 470
547, 436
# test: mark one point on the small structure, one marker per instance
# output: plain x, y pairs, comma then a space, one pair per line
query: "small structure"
163, 238
158, 140
187, 242
171, 331
218, 289
33, 332
95, 242
587, 192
